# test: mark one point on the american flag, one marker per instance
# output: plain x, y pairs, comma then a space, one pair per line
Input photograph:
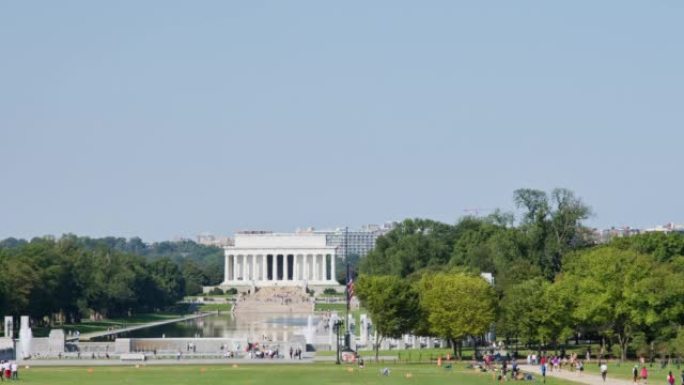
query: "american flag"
350, 287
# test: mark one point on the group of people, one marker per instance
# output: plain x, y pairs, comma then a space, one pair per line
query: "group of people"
10, 370
295, 353
557, 363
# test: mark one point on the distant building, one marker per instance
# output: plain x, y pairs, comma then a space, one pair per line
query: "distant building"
352, 242
207, 239
262, 258
666, 228
606, 235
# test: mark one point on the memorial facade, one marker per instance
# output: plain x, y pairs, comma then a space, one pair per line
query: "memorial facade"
273, 259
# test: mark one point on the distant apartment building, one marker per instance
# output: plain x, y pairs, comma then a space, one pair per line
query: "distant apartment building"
207, 239
606, 235
353, 241
666, 228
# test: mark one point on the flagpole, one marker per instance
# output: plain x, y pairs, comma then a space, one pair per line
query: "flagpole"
347, 337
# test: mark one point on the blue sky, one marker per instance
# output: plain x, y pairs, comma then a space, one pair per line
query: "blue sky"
167, 118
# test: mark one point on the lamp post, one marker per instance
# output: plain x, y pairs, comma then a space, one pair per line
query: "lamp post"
337, 325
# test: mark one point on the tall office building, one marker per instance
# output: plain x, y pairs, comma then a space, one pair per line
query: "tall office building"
353, 242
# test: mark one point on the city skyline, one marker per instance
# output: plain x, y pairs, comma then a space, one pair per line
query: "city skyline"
160, 119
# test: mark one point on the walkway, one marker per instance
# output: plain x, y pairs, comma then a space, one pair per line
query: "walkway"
88, 336
585, 378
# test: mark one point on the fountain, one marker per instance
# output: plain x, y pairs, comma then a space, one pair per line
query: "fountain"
310, 330
25, 337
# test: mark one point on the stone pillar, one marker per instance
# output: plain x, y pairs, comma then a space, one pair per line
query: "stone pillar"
414, 342
363, 335
9, 326
401, 343
314, 265
274, 259
333, 275
295, 273
233, 267
306, 267
242, 266
318, 267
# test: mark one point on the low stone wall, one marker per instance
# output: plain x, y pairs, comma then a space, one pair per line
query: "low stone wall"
195, 346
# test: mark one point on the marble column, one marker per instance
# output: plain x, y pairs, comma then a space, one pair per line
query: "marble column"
317, 270
242, 266
314, 275
306, 267
295, 272
263, 267
333, 274
251, 267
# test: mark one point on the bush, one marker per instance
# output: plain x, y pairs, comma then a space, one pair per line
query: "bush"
216, 291
330, 291
232, 291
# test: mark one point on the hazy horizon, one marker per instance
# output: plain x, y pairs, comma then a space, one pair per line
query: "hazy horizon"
163, 119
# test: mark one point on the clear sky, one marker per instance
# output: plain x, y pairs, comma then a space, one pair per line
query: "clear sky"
167, 118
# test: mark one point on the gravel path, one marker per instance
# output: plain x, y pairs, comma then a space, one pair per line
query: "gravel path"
584, 378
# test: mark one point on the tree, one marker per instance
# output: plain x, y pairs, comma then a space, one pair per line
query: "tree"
620, 293
522, 309
413, 245
457, 305
392, 304
553, 225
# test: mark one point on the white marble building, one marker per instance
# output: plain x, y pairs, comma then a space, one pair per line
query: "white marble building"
270, 259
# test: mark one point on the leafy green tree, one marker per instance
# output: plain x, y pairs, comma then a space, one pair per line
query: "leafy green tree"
457, 305
620, 293
392, 303
413, 245
522, 310
663, 246
553, 224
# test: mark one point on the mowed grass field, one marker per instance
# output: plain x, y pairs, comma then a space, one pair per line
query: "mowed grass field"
307, 374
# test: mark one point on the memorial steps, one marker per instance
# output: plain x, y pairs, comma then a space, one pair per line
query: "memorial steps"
275, 300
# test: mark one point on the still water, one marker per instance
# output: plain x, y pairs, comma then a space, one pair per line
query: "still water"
254, 326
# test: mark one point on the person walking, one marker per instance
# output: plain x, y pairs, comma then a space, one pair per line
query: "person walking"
635, 374
670, 378
644, 375
604, 371
543, 371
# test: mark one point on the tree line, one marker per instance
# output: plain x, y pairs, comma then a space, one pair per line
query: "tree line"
71, 278
553, 282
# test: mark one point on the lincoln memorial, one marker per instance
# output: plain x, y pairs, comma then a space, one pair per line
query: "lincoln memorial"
272, 259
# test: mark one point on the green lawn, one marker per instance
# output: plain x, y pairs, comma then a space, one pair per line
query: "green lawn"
338, 307
308, 374
212, 307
